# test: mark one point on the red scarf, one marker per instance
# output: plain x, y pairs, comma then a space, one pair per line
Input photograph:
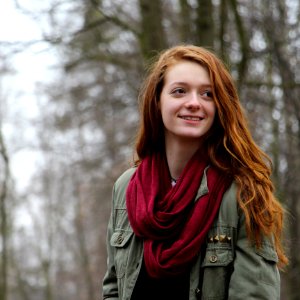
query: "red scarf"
172, 224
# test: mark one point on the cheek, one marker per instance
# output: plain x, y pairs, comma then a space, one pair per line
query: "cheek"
212, 109
163, 107
166, 115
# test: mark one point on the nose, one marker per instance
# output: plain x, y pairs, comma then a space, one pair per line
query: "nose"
193, 102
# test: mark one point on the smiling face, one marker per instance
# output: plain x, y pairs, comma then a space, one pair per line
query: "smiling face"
186, 102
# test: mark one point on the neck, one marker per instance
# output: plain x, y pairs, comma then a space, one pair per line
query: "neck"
178, 156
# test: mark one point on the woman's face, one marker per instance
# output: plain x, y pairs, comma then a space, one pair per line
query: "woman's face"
186, 102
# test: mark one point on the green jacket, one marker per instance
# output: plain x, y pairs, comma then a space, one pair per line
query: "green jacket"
230, 267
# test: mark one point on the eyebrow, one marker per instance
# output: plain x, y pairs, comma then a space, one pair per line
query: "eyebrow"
185, 83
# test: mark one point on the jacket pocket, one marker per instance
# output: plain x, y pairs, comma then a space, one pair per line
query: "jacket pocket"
120, 241
217, 264
217, 268
217, 258
269, 273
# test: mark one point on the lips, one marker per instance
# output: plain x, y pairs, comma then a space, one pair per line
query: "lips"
191, 118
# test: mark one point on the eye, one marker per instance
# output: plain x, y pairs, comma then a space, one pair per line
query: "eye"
178, 91
207, 94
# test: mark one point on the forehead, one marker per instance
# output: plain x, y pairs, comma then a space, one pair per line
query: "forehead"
189, 71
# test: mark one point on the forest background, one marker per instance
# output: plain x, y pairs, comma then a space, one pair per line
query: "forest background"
82, 126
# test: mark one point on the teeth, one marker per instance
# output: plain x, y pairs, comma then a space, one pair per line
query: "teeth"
192, 118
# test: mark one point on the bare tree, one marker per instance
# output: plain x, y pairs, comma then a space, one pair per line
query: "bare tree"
205, 23
3, 218
88, 121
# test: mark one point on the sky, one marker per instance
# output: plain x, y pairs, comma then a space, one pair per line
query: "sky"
19, 102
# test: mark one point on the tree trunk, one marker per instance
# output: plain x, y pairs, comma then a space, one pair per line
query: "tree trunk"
244, 43
3, 216
222, 30
205, 23
83, 247
292, 117
152, 37
186, 30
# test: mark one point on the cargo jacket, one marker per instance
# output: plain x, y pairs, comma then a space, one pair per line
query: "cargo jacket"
230, 267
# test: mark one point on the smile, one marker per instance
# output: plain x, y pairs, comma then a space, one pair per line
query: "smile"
190, 118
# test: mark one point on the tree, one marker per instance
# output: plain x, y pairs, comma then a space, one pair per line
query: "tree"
4, 218
281, 53
152, 36
88, 121
205, 24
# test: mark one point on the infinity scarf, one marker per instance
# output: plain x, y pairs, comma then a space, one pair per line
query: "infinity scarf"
172, 223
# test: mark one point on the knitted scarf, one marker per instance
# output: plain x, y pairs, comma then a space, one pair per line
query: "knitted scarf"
172, 223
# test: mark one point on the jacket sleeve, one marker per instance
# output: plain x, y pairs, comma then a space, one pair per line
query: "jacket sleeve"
109, 284
255, 274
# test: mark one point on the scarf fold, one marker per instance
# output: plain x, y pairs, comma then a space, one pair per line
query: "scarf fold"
169, 220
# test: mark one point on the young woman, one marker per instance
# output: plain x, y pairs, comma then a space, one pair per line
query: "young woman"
196, 217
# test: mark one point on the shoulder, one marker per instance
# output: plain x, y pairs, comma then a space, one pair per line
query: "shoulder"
124, 178
121, 184
228, 212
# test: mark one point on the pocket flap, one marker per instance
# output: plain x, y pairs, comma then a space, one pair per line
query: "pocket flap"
120, 238
268, 252
217, 258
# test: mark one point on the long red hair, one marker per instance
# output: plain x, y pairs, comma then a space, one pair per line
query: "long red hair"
229, 143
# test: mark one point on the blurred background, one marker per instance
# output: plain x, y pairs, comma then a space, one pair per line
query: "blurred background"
70, 72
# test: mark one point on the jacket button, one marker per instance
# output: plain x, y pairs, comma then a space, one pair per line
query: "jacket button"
213, 258
119, 239
197, 292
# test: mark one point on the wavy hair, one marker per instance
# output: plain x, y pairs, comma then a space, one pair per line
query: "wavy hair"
229, 143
